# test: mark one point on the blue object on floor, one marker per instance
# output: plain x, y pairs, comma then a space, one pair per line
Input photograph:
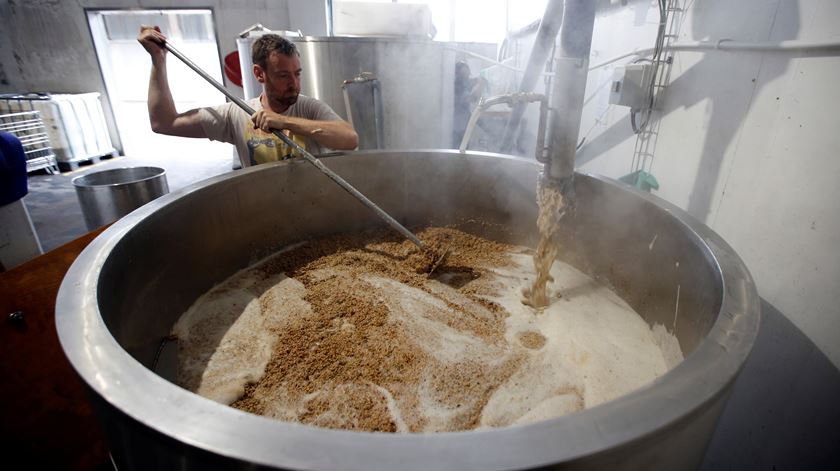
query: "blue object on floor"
641, 180
12, 169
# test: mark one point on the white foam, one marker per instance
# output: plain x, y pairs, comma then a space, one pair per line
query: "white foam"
393, 409
423, 315
226, 338
596, 347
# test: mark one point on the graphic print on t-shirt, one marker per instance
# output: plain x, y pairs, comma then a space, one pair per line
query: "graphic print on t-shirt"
266, 147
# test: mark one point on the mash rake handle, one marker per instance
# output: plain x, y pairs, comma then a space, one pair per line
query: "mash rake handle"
306, 155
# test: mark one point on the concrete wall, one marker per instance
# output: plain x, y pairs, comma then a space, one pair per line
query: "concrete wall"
45, 45
747, 142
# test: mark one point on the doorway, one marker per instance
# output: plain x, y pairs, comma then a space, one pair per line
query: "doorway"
126, 66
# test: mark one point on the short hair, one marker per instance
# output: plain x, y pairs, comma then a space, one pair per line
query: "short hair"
268, 43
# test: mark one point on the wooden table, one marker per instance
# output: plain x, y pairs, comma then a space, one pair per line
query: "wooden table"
47, 421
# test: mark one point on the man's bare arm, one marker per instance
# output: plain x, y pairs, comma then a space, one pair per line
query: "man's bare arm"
163, 116
338, 135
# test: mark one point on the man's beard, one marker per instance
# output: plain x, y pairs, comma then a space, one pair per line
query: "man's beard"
287, 101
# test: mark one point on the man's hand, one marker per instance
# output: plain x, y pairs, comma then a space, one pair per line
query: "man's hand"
153, 40
268, 120
336, 134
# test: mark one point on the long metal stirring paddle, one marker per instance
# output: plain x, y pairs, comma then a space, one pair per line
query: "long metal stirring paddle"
306, 155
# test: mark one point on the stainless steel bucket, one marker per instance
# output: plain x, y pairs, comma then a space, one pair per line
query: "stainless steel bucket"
125, 291
108, 195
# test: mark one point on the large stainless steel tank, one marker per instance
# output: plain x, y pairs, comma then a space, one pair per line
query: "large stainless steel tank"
125, 291
416, 78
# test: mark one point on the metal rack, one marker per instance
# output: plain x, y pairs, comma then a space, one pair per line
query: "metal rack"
29, 128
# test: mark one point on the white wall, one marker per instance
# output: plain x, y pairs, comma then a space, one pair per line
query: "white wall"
748, 143
308, 16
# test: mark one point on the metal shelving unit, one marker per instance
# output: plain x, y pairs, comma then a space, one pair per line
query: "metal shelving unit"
74, 124
29, 128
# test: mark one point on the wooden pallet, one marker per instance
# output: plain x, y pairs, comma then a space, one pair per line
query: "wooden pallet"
74, 165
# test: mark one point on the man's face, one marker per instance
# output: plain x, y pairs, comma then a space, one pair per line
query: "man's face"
281, 81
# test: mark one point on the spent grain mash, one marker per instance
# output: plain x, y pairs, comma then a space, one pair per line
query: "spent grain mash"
350, 332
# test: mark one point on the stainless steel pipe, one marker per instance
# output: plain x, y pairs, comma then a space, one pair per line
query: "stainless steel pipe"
126, 290
360, 118
571, 66
571, 63
543, 45
514, 99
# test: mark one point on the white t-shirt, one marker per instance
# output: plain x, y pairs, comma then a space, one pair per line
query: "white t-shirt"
230, 123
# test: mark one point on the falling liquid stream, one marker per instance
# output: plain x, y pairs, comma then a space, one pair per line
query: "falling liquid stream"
551, 211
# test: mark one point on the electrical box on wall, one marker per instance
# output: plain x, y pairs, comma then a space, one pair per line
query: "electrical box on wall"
631, 85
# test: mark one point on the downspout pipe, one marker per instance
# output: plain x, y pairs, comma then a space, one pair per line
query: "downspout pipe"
543, 44
510, 99
571, 66
795, 46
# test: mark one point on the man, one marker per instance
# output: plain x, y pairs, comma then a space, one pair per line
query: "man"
468, 90
309, 122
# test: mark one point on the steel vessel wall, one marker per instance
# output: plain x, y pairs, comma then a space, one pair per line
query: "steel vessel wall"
125, 291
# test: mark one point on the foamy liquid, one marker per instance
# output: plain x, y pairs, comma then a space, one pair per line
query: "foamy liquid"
586, 347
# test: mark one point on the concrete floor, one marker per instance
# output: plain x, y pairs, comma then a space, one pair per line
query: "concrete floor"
54, 207
783, 412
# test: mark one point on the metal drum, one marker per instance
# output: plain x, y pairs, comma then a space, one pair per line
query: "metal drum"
126, 290
108, 195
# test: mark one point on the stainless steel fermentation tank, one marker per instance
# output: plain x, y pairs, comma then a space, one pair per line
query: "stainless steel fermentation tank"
126, 290
416, 78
